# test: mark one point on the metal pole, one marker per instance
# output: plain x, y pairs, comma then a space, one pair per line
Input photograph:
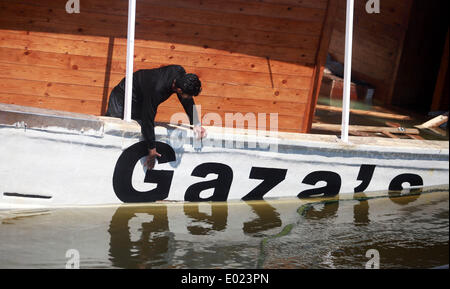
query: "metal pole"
347, 70
130, 59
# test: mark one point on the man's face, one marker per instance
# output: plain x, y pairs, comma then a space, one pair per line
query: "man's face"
183, 95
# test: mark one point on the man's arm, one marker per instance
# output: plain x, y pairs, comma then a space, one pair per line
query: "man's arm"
148, 126
189, 107
148, 131
194, 118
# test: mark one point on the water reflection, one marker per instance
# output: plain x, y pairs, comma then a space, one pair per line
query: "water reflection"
268, 218
404, 197
409, 229
329, 210
361, 210
140, 237
146, 237
411, 196
204, 223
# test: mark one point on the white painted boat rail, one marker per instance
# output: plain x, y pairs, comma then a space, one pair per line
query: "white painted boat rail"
130, 59
347, 70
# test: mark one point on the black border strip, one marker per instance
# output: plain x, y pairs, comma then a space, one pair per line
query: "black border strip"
26, 196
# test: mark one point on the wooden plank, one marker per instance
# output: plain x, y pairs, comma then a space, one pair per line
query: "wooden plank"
285, 123
61, 77
55, 60
275, 10
240, 63
440, 82
147, 28
359, 133
39, 90
217, 103
53, 101
439, 131
43, 90
434, 122
305, 25
26, 72
195, 16
397, 125
279, 46
414, 136
88, 78
337, 128
371, 41
237, 91
83, 45
81, 63
215, 61
72, 105
228, 48
366, 59
248, 78
320, 4
68, 72
368, 72
40, 42
388, 134
380, 39
222, 42
366, 24
392, 12
320, 63
202, 35
87, 69
84, 63
93, 49
303, 52
52, 89
362, 67
398, 55
364, 112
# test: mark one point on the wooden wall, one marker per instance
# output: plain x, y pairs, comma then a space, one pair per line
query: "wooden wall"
441, 94
252, 55
377, 44
422, 56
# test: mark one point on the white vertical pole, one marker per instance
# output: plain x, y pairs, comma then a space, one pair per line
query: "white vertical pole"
130, 59
347, 70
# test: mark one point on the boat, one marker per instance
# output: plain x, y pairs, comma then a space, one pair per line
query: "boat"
53, 158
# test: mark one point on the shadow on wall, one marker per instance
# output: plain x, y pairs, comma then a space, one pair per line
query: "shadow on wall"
252, 28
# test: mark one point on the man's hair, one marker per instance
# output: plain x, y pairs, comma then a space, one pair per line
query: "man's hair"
189, 84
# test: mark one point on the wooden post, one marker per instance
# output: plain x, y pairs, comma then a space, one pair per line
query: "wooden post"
321, 59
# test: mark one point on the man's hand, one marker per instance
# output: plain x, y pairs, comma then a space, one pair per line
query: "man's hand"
150, 161
199, 131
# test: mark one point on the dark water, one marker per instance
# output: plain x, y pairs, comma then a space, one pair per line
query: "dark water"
378, 230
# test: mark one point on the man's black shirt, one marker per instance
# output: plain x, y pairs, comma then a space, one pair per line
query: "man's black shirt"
151, 87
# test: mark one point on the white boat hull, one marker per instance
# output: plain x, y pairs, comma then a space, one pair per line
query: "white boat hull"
57, 166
